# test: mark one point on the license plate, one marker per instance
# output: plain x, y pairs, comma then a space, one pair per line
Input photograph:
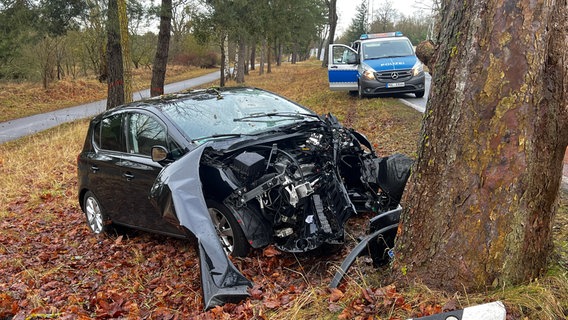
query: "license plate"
395, 85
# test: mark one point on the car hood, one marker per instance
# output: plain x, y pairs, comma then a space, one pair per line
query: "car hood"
395, 63
180, 182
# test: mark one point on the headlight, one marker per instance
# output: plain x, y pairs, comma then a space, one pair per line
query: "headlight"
369, 74
417, 69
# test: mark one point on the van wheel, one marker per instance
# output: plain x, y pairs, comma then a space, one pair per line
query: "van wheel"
360, 92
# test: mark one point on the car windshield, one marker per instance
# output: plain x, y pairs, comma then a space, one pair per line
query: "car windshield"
235, 112
387, 49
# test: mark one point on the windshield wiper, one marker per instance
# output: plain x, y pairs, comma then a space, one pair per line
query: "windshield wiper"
221, 135
251, 117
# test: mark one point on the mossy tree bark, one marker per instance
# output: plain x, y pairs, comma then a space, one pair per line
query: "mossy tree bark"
482, 197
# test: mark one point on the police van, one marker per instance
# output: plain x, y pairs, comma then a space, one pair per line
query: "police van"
379, 63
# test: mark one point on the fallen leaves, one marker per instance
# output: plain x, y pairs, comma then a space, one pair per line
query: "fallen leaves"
53, 265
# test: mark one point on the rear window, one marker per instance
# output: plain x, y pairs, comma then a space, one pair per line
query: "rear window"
108, 134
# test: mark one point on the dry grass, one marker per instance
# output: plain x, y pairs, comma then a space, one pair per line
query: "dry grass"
42, 168
25, 99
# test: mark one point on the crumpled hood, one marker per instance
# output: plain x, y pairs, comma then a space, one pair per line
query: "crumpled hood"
388, 64
220, 279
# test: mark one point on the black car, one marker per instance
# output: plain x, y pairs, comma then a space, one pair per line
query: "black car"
237, 168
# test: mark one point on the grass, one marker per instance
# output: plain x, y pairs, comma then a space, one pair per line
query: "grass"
20, 100
38, 203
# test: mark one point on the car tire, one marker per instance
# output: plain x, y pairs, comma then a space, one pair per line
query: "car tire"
230, 233
360, 93
94, 213
419, 94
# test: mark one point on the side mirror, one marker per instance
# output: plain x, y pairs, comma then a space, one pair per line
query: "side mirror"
159, 153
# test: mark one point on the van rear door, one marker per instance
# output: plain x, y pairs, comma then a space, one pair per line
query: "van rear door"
342, 68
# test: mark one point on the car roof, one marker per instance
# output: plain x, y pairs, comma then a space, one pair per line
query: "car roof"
156, 102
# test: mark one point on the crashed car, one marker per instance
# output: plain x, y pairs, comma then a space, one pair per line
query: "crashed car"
236, 168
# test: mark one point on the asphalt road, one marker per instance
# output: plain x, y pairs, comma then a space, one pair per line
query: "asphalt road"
14, 129
418, 103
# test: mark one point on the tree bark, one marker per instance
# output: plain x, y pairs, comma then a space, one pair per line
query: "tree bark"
253, 55
480, 204
161, 58
241, 62
262, 56
115, 80
223, 61
226, 62
125, 46
268, 58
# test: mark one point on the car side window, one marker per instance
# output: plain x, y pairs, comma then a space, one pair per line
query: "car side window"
108, 134
144, 132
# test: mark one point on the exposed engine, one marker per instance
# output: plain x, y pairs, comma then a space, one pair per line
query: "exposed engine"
299, 184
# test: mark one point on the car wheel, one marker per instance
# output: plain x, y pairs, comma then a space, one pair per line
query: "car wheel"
229, 231
360, 93
419, 94
94, 213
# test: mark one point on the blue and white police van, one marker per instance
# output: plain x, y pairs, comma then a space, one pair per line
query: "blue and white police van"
380, 63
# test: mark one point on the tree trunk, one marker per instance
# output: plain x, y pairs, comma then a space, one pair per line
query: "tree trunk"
262, 55
161, 58
480, 202
125, 45
223, 55
240, 63
268, 59
332, 20
226, 61
253, 55
279, 54
115, 81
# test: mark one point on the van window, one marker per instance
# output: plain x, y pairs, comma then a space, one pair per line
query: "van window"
384, 49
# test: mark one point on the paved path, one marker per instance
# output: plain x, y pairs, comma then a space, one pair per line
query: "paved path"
14, 129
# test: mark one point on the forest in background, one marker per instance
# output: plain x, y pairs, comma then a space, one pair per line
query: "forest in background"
49, 40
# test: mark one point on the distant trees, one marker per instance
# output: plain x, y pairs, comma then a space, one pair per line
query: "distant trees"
47, 40
274, 26
386, 18
359, 23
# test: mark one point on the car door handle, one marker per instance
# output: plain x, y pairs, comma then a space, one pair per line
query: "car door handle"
95, 169
333, 67
129, 176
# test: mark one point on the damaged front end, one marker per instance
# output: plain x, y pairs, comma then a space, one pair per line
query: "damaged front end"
294, 187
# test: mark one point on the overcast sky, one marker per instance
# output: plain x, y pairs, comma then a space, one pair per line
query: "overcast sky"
347, 9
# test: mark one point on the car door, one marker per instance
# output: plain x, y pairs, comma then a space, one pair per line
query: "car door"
139, 172
342, 68
103, 163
